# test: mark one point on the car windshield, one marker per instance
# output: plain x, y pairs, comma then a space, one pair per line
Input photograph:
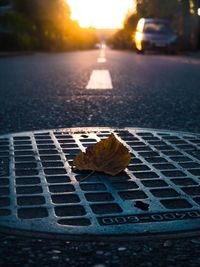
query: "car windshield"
157, 27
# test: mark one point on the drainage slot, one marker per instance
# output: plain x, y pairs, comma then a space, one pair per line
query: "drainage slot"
24, 159
136, 194
145, 175
4, 191
184, 181
154, 183
30, 201
106, 208
4, 181
58, 179
176, 204
99, 197
124, 185
192, 191
164, 192
61, 188
29, 190
55, 171
27, 181
4, 201
93, 187
52, 164
26, 172
65, 211
141, 205
65, 198
75, 222
32, 213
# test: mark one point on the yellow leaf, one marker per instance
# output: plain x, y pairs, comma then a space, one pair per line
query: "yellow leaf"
109, 156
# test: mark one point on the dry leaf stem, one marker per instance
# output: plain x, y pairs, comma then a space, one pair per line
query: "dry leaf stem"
84, 178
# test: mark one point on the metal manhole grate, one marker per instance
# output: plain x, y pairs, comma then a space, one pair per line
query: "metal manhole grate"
159, 193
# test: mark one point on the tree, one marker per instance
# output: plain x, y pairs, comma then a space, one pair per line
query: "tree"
49, 24
49, 17
122, 39
4, 2
157, 9
56, 11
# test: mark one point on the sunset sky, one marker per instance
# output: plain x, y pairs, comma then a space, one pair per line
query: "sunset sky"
100, 13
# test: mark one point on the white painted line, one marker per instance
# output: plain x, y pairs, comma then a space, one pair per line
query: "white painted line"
101, 60
102, 56
102, 53
100, 79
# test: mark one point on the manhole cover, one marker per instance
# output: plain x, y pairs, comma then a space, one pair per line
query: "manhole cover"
158, 194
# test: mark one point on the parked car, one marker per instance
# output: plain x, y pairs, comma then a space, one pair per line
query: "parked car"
155, 34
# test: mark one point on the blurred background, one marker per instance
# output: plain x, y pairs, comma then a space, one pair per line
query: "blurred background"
59, 25
41, 25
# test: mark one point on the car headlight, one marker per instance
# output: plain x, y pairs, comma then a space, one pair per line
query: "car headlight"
138, 37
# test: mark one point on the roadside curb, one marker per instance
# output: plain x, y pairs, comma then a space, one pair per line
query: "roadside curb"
194, 55
190, 54
15, 54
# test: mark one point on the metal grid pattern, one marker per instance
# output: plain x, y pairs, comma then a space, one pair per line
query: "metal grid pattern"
158, 193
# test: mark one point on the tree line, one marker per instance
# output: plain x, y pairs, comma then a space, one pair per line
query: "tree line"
43, 25
183, 15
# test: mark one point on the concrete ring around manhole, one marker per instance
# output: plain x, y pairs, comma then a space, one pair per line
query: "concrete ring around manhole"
157, 195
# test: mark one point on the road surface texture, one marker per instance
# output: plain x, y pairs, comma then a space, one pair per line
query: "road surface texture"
45, 91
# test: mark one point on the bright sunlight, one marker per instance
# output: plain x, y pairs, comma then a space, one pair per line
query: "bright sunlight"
100, 14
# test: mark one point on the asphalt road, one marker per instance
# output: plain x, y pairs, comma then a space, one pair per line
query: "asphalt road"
49, 90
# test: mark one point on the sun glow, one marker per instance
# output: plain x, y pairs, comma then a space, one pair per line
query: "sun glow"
100, 13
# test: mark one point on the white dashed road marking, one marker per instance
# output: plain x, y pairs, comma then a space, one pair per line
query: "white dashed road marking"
100, 79
102, 57
101, 60
102, 53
